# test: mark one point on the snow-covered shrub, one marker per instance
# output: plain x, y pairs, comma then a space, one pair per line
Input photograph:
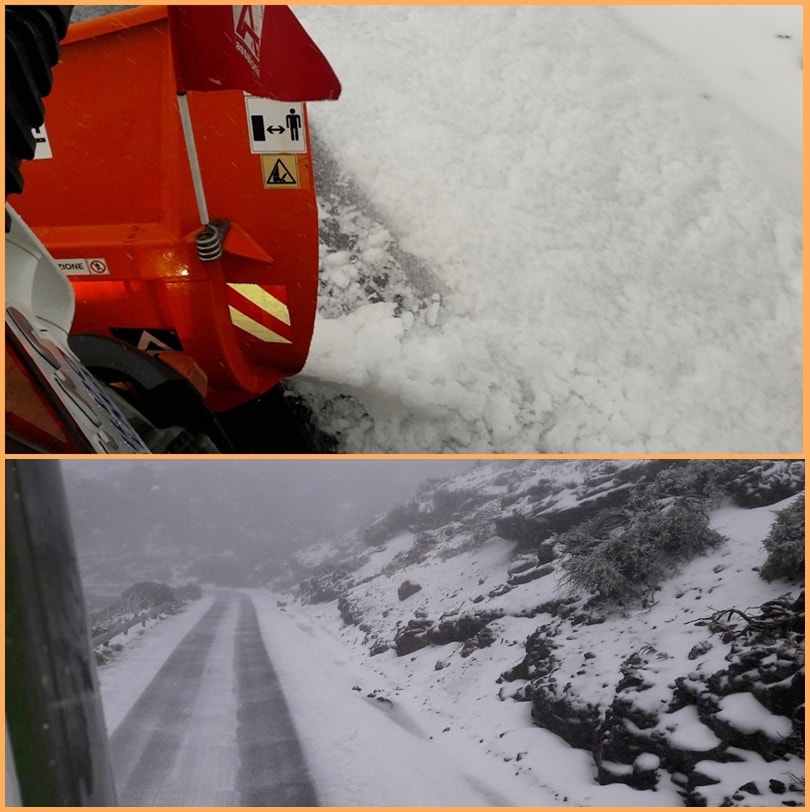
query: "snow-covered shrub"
146, 595
683, 530
324, 588
708, 479
785, 545
750, 483
767, 482
625, 561
593, 569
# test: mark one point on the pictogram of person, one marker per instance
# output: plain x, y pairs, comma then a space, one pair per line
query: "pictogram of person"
293, 123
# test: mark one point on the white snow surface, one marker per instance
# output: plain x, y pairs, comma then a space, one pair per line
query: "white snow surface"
608, 203
745, 711
398, 731
123, 679
463, 698
361, 752
365, 752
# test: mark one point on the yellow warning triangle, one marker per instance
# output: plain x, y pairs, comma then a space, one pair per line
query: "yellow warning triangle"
280, 175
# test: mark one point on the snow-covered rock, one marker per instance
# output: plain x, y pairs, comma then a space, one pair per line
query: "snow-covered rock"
680, 689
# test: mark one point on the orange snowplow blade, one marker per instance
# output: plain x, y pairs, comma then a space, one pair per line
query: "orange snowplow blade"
115, 206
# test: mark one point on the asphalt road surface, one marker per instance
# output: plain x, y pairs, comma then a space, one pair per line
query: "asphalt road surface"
212, 728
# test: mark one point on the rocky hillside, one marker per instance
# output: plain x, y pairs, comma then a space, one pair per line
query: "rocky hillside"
625, 632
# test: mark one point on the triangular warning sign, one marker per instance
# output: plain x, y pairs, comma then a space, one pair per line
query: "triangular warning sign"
280, 175
157, 339
151, 343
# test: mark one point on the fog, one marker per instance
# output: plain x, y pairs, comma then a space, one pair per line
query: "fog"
135, 519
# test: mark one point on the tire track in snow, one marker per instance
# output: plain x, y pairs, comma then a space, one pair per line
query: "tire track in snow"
212, 727
146, 744
272, 769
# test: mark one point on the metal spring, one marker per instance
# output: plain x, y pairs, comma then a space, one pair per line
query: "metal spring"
209, 244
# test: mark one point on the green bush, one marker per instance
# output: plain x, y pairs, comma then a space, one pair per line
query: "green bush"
146, 595
750, 483
709, 479
768, 482
625, 559
785, 545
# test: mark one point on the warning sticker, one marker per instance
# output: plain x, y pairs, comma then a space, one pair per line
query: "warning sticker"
275, 126
86, 266
280, 172
261, 311
42, 144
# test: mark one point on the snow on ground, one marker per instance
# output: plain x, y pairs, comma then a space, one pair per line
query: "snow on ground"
129, 671
745, 68
361, 752
368, 752
609, 205
436, 729
459, 701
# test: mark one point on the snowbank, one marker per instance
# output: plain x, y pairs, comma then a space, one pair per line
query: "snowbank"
611, 221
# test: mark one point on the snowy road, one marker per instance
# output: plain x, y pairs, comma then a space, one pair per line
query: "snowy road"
212, 727
196, 718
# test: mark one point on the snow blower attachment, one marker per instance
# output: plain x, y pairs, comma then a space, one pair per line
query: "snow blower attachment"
175, 190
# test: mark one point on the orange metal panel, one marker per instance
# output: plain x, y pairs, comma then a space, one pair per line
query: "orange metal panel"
117, 195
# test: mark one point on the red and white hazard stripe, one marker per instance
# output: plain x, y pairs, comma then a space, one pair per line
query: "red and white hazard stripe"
261, 311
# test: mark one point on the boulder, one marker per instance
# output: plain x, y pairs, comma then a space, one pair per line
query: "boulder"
527, 532
413, 637
408, 588
421, 632
483, 639
530, 575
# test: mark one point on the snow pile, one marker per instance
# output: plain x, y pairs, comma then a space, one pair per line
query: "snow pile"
579, 234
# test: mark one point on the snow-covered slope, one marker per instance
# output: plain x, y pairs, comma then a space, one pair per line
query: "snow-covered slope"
559, 229
453, 612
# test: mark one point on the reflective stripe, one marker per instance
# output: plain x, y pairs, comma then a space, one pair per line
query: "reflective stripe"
260, 313
257, 330
261, 298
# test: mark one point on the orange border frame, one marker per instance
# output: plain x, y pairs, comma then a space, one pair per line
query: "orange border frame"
798, 455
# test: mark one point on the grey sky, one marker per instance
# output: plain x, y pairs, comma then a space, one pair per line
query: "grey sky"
203, 504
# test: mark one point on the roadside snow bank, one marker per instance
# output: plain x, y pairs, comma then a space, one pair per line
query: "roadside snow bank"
617, 246
373, 750
123, 679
